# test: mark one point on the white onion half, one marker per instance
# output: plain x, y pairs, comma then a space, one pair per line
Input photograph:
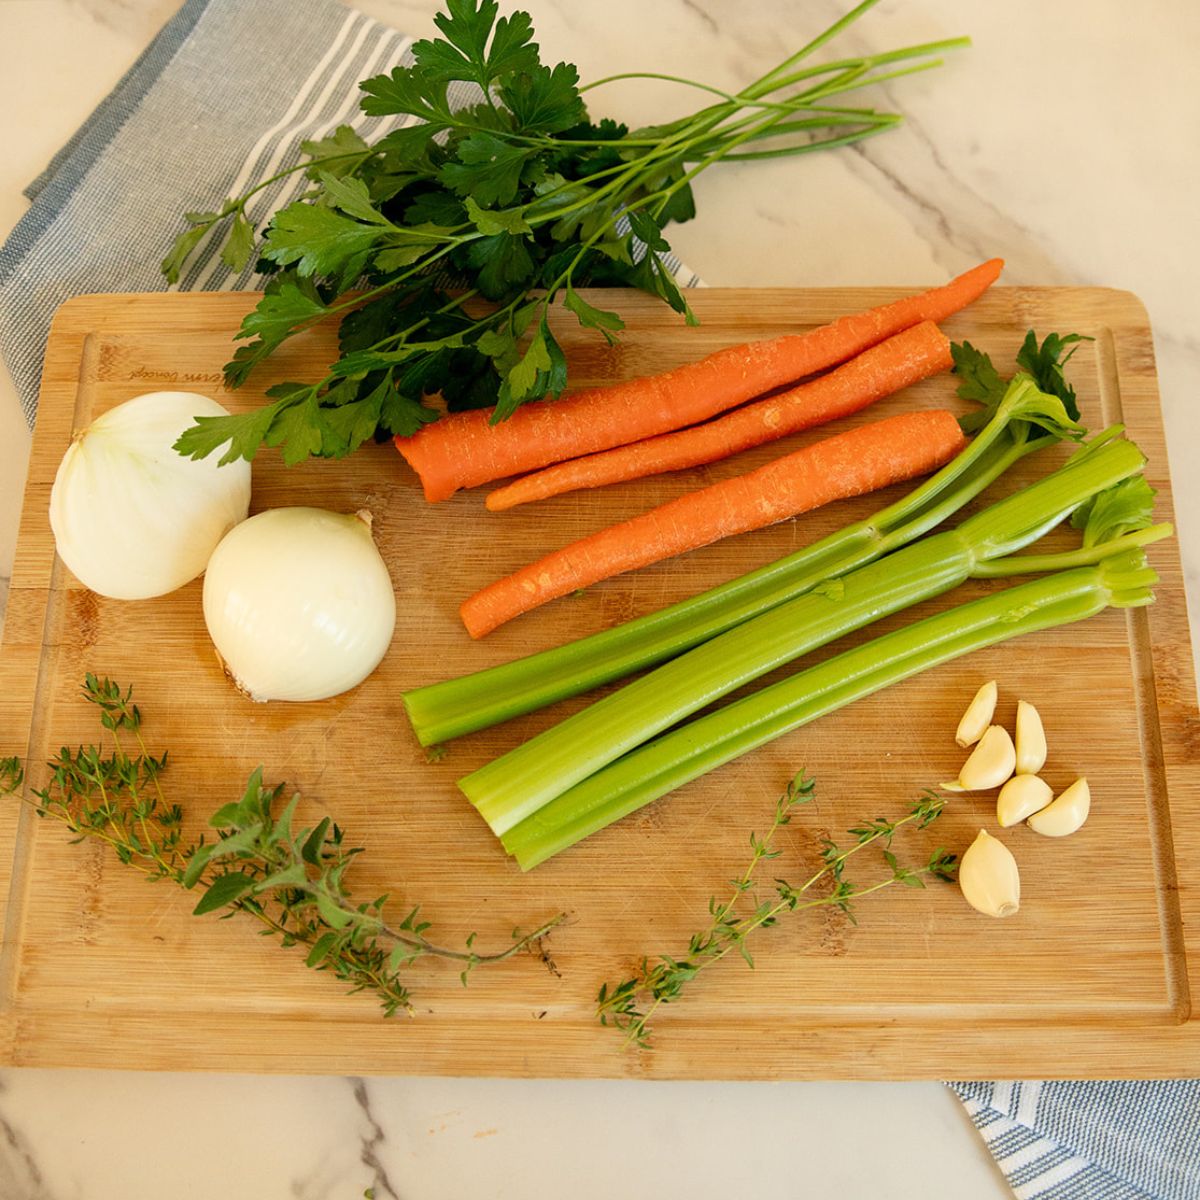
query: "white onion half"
299, 604
133, 518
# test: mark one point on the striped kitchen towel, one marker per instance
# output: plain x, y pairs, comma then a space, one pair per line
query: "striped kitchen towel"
203, 115
1099, 1140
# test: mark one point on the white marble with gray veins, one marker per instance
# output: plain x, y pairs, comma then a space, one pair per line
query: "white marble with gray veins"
1066, 140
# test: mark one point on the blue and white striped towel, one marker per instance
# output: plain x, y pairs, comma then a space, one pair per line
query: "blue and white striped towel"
1099, 1140
205, 113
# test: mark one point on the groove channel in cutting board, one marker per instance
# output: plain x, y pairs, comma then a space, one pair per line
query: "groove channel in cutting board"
1095, 977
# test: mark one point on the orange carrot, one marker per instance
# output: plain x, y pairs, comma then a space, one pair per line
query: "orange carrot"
464, 449
848, 464
904, 359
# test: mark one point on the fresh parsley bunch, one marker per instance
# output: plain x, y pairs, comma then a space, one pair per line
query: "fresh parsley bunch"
443, 244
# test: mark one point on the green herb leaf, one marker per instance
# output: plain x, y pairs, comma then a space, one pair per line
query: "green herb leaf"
318, 240
545, 99
343, 146
223, 891
592, 317
239, 244
172, 266
465, 55
1120, 509
487, 168
979, 381
1045, 364
407, 92
502, 261
490, 221
352, 197
331, 913
242, 432
289, 303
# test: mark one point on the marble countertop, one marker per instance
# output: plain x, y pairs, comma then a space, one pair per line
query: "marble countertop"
1066, 140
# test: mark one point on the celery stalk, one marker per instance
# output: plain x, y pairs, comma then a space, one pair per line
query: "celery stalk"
660, 766
511, 787
456, 707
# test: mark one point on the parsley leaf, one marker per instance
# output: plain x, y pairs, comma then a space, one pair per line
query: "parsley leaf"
591, 317
545, 99
464, 54
486, 168
239, 244
407, 92
489, 221
356, 421
541, 369
501, 261
402, 415
352, 197
340, 145
301, 430
290, 302
318, 240
244, 432
172, 266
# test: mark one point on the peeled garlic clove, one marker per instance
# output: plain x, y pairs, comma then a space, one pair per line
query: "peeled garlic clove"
1020, 797
1066, 814
991, 762
1031, 739
978, 715
989, 878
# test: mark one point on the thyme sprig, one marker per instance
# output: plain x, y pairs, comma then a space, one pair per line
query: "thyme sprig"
748, 908
292, 881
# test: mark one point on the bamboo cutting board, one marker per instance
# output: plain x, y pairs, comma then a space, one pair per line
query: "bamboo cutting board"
1094, 977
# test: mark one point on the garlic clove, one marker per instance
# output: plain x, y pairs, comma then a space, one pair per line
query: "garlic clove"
978, 715
1031, 739
988, 877
1066, 814
991, 762
1020, 797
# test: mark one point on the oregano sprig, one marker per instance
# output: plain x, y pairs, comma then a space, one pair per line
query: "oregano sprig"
258, 863
630, 1004
444, 244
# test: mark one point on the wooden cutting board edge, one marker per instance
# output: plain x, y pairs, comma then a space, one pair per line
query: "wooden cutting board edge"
861, 1049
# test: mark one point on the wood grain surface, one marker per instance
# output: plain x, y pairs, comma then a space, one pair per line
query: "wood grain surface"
1093, 978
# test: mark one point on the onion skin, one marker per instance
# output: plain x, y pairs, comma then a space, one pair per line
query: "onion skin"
134, 519
299, 604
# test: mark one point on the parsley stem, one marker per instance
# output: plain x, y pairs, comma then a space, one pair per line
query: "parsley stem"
868, 62
307, 165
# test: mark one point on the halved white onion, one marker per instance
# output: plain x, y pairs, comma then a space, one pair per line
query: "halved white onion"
299, 604
132, 517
